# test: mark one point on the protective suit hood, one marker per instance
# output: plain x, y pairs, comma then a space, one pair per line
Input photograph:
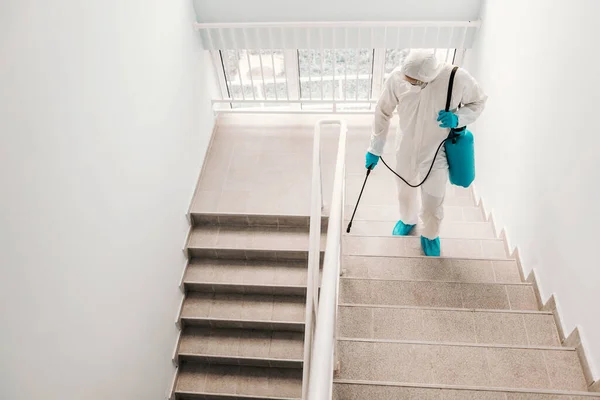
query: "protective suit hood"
422, 65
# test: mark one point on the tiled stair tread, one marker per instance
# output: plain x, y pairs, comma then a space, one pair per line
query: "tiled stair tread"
224, 396
349, 390
426, 279
390, 213
251, 274
244, 344
444, 343
440, 325
457, 229
386, 196
399, 246
233, 382
244, 307
491, 310
438, 294
461, 365
428, 268
390, 200
253, 220
386, 181
250, 238
385, 193
384, 177
281, 255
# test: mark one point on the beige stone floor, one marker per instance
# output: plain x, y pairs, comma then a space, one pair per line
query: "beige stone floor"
263, 163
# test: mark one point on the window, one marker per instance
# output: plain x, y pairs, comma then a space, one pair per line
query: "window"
347, 76
395, 57
335, 74
254, 74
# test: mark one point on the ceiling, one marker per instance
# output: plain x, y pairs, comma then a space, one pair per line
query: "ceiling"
210, 11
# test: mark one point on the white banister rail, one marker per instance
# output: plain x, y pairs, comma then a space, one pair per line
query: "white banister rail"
321, 310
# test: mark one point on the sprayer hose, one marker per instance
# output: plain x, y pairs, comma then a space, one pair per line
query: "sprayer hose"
428, 172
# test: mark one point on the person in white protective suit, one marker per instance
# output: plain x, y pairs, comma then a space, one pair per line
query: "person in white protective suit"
418, 89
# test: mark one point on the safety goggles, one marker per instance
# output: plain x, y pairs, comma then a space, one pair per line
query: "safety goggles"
415, 82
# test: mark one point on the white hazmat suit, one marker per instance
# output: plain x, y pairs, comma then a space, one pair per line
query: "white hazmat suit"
419, 134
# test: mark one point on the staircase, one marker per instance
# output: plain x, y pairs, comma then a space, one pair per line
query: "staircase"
462, 326
243, 315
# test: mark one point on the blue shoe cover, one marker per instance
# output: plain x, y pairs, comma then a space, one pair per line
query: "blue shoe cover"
431, 248
401, 229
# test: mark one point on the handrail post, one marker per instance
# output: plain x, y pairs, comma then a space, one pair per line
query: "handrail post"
314, 257
321, 175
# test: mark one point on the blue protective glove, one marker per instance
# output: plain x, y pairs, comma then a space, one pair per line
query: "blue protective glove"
371, 160
448, 119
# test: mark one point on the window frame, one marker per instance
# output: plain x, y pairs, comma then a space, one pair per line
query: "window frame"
292, 75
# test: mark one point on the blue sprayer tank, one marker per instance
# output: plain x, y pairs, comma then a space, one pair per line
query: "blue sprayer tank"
460, 152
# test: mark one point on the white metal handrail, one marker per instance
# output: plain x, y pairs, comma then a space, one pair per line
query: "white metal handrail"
321, 310
326, 78
295, 101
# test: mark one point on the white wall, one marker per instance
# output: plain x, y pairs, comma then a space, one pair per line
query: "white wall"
537, 145
336, 10
104, 122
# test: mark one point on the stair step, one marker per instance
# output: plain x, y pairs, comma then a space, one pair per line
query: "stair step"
390, 213
437, 294
205, 381
381, 190
241, 276
555, 369
271, 243
350, 390
249, 311
462, 326
386, 179
400, 246
456, 230
253, 220
431, 268
387, 195
389, 198
242, 347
